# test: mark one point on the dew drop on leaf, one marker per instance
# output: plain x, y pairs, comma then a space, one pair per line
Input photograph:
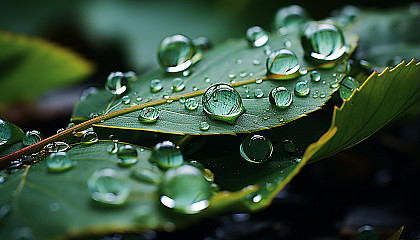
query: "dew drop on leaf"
5, 132
4, 211
126, 100
191, 104
185, 190
127, 155
87, 92
147, 175
116, 83
222, 102
167, 155
256, 36
106, 188
131, 76
148, 115
89, 137
281, 97
290, 18
256, 148
259, 81
258, 93
202, 43
204, 126
315, 76
112, 148
58, 162
347, 87
302, 89
175, 53
55, 147
31, 137
155, 85
289, 146
283, 62
3, 176
178, 84
323, 42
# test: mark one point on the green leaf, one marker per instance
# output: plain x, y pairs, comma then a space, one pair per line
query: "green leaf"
29, 66
397, 234
234, 57
15, 142
379, 100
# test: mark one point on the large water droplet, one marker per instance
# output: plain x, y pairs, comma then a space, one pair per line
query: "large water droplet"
58, 162
31, 137
256, 36
347, 87
256, 148
284, 63
57, 147
148, 115
167, 155
116, 83
191, 104
148, 175
155, 85
5, 132
127, 155
302, 89
323, 42
281, 97
178, 84
89, 137
222, 102
106, 188
185, 190
290, 18
175, 53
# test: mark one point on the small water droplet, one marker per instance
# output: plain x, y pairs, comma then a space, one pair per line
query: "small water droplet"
290, 18
204, 126
222, 102
191, 104
57, 147
239, 61
55, 207
186, 73
155, 85
267, 50
148, 115
303, 71
59, 162
344, 67
131, 76
116, 83
258, 93
112, 148
256, 36
31, 137
185, 190
138, 99
259, 81
3, 177
287, 43
127, 155
176, 52
148, 175
289, 146
257, 198
242, 74
166, 155
231, 75
89, 137
87, 92
322, 95
5, 132
347, 87
165, 96
256, 62
113, 137
207, 79
256, 148
281, 97
194, 88
178, 84
106, 188
283, 62
302, 89
126, 100
347, 14
323, 42
182, 99
315, 76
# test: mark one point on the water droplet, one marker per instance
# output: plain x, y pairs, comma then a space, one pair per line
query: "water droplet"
131, 76
257, 198
185, 190
258, 93
87, 92
191, 104
55, 207
242, 74
256, 62
57, 147
89, 137
315, 76
3, 177
302, 89
347, 14
207, 79
203, 43
148, 115
178, 84
155, 85
347, 87
256, 148
239, 61
127, 155
107, 188
222, 102
165, 96
148, 175
290, 18
58, 162
287, 43
4, 211
112, 148
267, 50
176, 52
126, 100
323, 42
194, 88
167, 155
344, 67
303, 71
5, 132
182, 99
186, 73
231, 75
259, 81
289, 146
116, 83
138, 99
281, 97
256, 36
283, 62
204, 126
31, 137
